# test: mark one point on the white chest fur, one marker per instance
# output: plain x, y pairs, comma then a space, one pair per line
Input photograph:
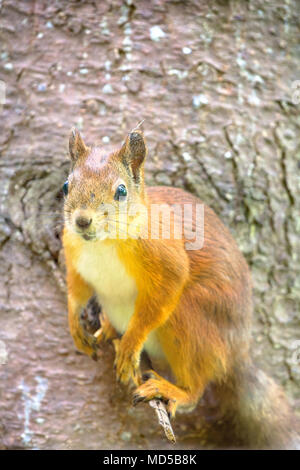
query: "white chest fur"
100, 266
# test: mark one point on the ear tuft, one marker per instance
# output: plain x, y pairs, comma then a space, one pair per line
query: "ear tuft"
137, 146
134, 151
77, 147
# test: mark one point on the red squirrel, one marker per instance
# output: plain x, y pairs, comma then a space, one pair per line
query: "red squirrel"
189, 309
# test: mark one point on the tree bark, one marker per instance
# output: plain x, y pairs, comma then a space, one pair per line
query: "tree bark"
216, 83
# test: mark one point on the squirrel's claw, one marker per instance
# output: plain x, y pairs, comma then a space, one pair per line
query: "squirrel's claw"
87, 343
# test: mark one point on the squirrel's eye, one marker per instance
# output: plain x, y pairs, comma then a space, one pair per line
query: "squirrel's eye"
121, 193
65, 188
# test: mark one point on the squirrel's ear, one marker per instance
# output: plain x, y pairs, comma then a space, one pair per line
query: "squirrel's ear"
134, 151
77, 147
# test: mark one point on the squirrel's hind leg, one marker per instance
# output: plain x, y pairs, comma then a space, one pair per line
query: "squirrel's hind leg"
155, 386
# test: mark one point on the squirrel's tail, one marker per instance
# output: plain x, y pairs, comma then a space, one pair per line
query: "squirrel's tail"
257, 411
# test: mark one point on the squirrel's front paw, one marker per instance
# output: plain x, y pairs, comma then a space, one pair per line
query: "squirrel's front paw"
84, 341
126, 363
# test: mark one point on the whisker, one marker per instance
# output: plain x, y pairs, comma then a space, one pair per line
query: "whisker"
120, 230
120, 222
50, 214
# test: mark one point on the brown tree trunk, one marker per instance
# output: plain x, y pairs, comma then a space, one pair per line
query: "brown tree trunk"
216, 83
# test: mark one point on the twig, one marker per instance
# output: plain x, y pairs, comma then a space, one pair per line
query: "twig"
163, 419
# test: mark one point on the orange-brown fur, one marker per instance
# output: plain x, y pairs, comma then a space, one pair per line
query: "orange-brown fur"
197, 301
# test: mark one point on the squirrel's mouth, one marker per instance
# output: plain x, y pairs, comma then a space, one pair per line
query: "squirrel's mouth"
92, 236
87, 237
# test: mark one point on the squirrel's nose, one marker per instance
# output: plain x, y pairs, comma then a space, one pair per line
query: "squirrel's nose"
83, 222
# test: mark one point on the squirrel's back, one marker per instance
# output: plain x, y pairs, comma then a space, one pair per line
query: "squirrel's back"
217, 264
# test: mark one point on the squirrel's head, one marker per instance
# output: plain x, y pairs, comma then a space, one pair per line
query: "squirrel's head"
105, 188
